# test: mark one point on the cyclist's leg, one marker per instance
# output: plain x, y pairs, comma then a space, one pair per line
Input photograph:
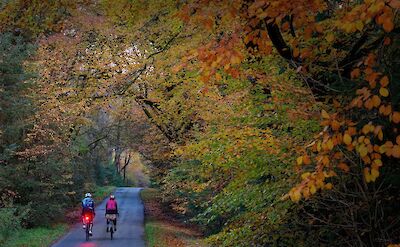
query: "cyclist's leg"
91, 223
108, 222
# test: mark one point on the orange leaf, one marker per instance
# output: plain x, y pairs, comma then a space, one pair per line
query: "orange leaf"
306, 159
218, 76
388, 25
387, 41
325, 160
344, 167
319, 28
396, 117
384, 81
376, 101
355, 73
335, 125
296, 52
395, 4
328, 186
396, 151
369, 104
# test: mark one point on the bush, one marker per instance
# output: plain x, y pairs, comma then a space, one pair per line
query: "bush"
10, 223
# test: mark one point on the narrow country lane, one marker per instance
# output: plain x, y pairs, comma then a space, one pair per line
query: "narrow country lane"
129, 228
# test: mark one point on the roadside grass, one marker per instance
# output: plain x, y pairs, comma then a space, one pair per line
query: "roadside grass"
163, 231
45, 236
102, 192
36, 237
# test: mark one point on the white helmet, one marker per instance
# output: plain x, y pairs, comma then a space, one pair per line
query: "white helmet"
88, 195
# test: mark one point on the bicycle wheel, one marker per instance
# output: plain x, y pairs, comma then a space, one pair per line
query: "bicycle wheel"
87, 232
112, 233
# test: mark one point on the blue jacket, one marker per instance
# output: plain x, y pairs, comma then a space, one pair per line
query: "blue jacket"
87, 205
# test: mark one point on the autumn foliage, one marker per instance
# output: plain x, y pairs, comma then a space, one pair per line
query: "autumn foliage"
279, 118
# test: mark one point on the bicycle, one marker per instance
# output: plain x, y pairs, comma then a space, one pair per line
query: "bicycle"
88, 221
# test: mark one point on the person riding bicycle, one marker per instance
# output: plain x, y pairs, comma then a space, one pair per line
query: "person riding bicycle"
112, 211
88, 211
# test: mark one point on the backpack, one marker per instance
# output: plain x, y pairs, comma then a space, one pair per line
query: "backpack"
88, 203
111, 205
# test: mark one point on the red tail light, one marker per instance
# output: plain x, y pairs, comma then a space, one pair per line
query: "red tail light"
87, 217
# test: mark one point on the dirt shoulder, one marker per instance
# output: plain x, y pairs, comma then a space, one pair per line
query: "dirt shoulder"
162, 229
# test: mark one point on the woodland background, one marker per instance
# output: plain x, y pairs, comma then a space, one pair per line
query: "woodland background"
266, 123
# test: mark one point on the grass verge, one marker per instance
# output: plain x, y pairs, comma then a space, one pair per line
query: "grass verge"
45, 236
162, 230
37, 237
102, 192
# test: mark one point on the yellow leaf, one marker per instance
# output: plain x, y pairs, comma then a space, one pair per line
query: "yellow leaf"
305, 175
300, 160
367, 175
330, 37
218, 76
378, 162
295, 195
328, 186
325, 114
382, 149
384, 92
313, 189
362, 149
374, 174
359, 25
380, 135
347, 139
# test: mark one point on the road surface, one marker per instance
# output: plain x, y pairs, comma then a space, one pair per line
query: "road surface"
129, 227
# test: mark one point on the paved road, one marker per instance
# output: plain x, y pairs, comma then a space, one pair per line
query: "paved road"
129, 228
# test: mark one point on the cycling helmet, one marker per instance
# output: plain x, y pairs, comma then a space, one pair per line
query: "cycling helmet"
112, 197
88, 195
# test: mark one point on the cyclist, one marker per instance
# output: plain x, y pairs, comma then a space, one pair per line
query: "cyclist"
88, 210
112, 212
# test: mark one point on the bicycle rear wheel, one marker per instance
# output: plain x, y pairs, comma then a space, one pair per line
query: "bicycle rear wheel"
112, 233
87, 232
